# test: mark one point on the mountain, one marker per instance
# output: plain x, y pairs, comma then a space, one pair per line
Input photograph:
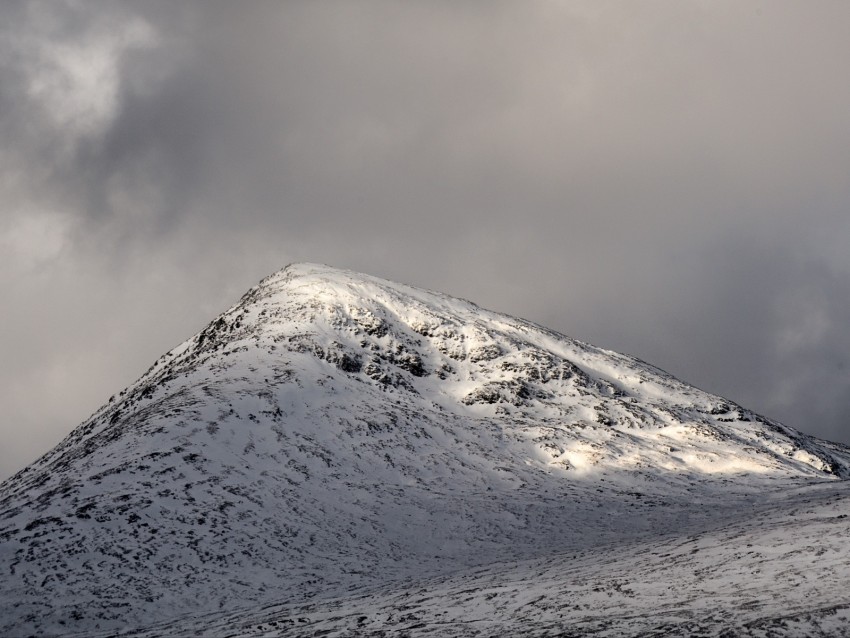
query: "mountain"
335, 441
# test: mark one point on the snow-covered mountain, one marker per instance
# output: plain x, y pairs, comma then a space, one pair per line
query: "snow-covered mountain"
336, 438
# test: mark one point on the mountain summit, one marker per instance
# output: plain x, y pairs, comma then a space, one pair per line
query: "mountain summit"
334, 432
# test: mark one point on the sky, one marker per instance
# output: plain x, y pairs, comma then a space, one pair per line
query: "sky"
667, 179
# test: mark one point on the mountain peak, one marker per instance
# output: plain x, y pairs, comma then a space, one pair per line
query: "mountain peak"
305, 269
328, 283
297, 271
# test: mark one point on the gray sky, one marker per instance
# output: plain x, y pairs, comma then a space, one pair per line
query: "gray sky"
668, 179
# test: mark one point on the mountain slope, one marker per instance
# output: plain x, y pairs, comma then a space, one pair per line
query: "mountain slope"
334, 432
781, 570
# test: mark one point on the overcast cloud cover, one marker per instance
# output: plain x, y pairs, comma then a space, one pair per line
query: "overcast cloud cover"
668, 179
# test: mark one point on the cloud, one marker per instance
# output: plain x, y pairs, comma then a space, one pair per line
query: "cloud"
31, 239
77, 83
669, 181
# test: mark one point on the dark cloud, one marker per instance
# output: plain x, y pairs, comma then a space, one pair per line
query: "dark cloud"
667, 180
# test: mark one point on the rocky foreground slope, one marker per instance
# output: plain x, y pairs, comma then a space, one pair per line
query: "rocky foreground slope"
335, 436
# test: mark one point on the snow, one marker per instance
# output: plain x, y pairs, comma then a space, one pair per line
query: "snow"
337, 445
